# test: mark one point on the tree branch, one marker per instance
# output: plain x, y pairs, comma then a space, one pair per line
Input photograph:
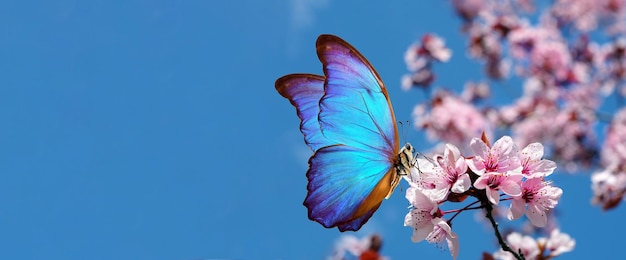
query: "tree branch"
505, 247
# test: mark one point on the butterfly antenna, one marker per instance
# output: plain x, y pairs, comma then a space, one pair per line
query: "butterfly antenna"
403, 130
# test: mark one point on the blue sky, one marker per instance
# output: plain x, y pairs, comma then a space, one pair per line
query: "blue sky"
152, 130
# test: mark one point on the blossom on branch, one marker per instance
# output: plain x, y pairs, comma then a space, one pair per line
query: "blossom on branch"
609, 184
539, 196
533, 166
499, 172
419, 59
450, 119
426, 220
541, 248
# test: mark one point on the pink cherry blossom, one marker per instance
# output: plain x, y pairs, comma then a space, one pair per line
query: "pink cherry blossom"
532, 164
425, 219
524, 39
582, 13
425, 177
502, 157
422, 215
569, 132
526, 244
450, 119
435, 47
443, 231
493, 182
540, 197
419, 59
446, 173
559, 243
415, 58
551, 58
609, 186
586, 15
454, 168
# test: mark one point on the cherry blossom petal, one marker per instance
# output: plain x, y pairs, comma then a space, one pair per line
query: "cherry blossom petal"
536, 216
511, 186
560, 243
493, 195
421, 224
462, 184
517, 209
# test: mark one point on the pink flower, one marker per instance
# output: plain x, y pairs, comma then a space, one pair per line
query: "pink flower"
435, 47
523, 40
447, 173
532, 164
422, 215
608, 187
526, 244
493, 182
425, 219
501, 158
443, 231
415, 59
540, 197
559, 243
453, 175
551, 58
419, 59
569, 132
582, 13
450, 119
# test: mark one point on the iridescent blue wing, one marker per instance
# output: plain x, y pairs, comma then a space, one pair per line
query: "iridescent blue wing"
346, 185
349, 122
355, 109
304, 91
347, 182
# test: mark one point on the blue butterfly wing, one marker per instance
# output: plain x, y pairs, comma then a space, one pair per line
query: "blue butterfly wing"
355, 109
304, 91
349, 122
346, 185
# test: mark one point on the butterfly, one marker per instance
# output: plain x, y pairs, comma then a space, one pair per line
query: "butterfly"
348, 121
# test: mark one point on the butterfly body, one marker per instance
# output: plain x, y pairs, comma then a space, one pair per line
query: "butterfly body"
347, 120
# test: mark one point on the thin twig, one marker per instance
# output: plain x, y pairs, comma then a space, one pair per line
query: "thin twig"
505, 247
468, 207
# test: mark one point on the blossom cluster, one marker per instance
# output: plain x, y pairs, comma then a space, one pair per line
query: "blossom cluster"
609, 184
565, 77
491, 174
541, 248
419, 59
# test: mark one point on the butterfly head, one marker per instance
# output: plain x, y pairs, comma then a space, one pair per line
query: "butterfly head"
404, 160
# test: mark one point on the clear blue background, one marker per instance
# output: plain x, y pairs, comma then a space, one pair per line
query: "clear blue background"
152, 130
